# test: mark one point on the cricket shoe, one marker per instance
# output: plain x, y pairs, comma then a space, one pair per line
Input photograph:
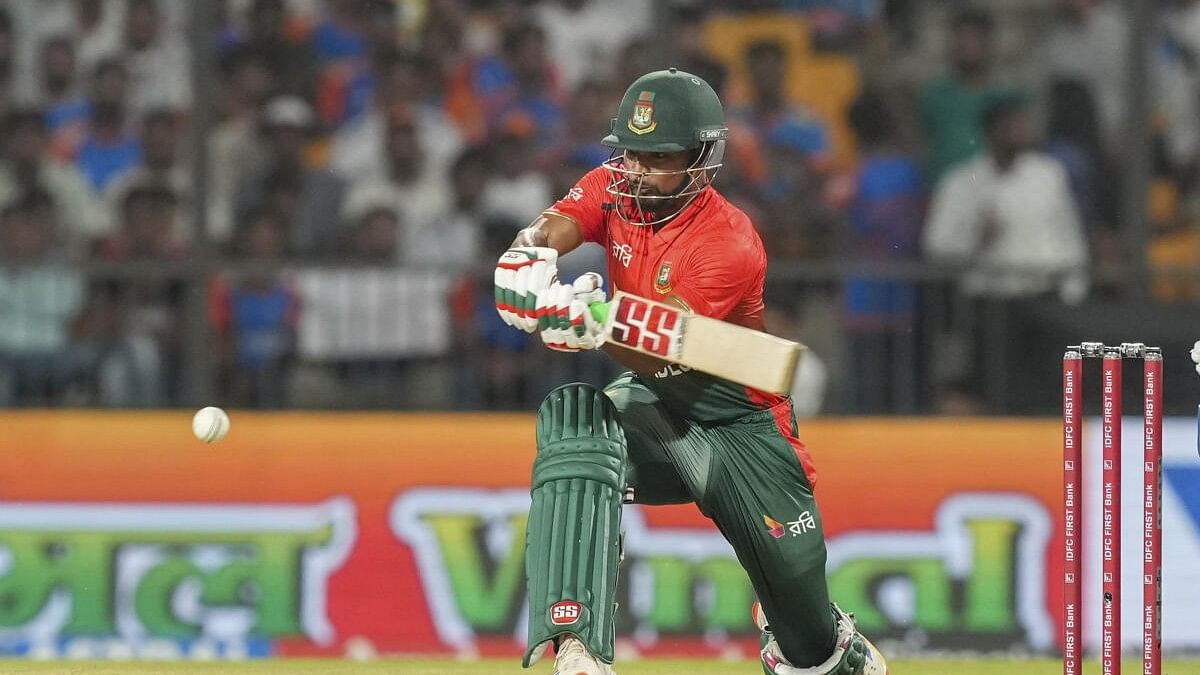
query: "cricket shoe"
574, 659
853, 655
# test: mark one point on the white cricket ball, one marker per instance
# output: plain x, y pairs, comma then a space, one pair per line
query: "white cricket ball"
210, 424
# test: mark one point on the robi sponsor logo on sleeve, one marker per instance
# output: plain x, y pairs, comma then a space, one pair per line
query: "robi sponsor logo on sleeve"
574, 194
565, 612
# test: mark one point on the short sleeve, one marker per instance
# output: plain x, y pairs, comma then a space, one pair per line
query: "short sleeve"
585, 202
716, 281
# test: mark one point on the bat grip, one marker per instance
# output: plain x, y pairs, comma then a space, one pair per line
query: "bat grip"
599, 311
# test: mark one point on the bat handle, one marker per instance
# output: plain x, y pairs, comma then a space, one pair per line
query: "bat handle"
599, 311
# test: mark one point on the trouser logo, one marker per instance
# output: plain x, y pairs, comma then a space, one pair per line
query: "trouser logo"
565, 612
773, 526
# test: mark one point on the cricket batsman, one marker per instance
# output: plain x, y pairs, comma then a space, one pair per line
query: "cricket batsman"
660, 434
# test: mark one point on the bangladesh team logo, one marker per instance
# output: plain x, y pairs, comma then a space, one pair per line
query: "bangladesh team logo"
642, 120
662, 282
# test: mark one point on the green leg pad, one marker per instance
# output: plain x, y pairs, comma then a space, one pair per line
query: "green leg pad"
572, 541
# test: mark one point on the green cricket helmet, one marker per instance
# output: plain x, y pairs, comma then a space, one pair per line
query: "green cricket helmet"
665, 111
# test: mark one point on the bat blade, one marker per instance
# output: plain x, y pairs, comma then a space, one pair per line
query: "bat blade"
742, 355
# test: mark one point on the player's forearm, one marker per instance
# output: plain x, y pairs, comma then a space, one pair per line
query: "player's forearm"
552, 230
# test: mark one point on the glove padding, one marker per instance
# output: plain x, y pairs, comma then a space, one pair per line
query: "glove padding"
565, 318
521, 274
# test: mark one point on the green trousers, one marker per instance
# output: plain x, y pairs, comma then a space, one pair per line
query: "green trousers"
746, 477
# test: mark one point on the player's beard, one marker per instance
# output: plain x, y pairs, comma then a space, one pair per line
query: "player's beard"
651, 201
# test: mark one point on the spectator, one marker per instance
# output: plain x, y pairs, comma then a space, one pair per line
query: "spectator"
311, 197
40, 296
1175, 69
348, 82
1090, 44
1008, 218
109, 82
156, 59
951, 108
8, 48
517, 189
442, 47
66, 109
382, 30
338, 36
147, 227
372, 237
137, 329
518, 89
638, 57
410, 185
744, 170
95, 30
291, 63
580, 34
339, 42
57, 70
462, 225
161, 142
1073, 138
27, 167
784, 159
234, 145
1009, 213
778, 122
588, 114
162, 138
689, 43
255, 315
402, 77
109, 149
93, 27
885, 214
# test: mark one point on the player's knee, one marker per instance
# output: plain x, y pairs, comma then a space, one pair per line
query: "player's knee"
579, 436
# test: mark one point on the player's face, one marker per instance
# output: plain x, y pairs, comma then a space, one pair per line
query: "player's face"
657, 174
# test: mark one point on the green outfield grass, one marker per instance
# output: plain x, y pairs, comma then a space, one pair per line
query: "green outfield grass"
507, 666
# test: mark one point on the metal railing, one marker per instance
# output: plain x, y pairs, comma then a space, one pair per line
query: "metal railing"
374, 337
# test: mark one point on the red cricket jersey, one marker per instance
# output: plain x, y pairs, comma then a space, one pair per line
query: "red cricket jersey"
709, 256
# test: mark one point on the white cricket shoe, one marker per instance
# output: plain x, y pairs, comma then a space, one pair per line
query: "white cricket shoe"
574, 659
853, 655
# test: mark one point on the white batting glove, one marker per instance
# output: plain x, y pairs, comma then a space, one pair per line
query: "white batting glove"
521, 273
1196, 356
565, 317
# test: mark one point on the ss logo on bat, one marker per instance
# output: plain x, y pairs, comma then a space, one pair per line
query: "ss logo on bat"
649, 327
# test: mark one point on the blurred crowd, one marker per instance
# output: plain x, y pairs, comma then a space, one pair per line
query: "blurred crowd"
404, 142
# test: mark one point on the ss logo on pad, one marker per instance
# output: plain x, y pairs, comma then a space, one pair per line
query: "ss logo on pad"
565, 612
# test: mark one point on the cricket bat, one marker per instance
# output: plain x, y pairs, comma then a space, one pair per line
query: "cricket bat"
748, 357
